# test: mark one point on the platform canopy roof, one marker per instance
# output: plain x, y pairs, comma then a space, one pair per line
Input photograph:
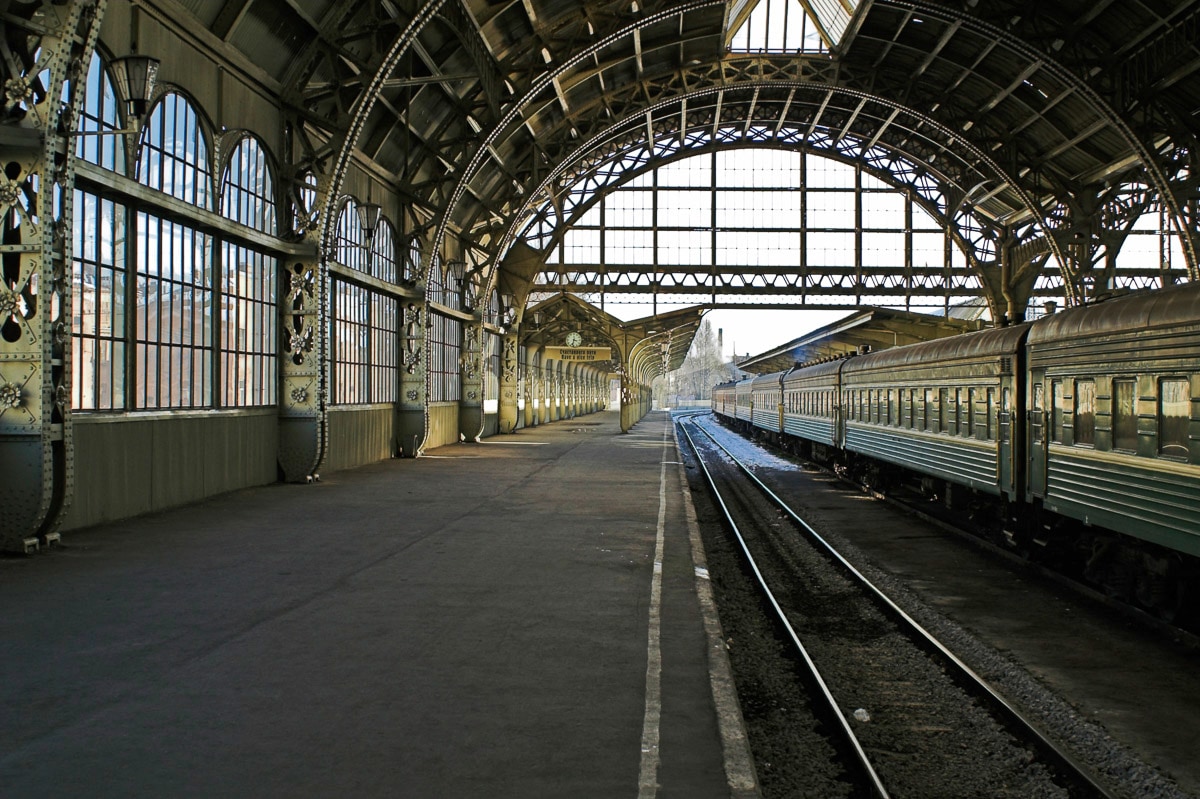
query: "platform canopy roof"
648, 347
483, 114
873, 328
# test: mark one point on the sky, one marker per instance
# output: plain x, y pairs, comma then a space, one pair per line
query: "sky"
755, 331
751, 331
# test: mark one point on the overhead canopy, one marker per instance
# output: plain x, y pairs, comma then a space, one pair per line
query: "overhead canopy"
876, 328
642, 348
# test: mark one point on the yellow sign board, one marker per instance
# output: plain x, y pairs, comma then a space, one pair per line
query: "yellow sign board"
578, 354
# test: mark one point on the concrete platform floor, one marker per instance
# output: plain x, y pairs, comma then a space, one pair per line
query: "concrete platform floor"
486, 621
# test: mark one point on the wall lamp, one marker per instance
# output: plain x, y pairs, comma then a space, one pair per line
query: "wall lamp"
135, 76
509, 315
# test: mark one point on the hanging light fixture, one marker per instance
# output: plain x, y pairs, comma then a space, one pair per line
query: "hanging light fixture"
135, 76
368, 218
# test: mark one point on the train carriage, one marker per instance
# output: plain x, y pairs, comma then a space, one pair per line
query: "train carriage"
942, 408
767, 410
724, 399
1114, 430
1084, 426
743, 400
812, 407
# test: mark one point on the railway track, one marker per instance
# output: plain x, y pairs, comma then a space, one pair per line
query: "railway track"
904, 717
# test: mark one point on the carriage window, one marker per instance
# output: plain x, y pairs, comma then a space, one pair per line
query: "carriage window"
1056, 412
943, 403
1124, 415
1174, 412
1035, 415
930, 417
891, 406
1085, 412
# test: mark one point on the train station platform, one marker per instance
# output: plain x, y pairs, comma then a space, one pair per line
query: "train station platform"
526, 616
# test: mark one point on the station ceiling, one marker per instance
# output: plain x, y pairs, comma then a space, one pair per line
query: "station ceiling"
471, 106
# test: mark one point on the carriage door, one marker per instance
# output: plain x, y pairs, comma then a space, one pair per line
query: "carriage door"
1004, 436
1038, 416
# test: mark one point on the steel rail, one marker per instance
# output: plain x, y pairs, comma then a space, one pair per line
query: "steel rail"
1017, 721
874, 783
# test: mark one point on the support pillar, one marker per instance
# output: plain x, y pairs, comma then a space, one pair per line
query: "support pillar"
554, 384
412, 408
533, 379
302, 406
544, 383
36, 444
509, 387
470, 406
569, 390
627, 405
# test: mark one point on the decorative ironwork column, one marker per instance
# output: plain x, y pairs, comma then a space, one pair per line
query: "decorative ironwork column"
509, 386
412, 408
302, 407
470, 407
47, 47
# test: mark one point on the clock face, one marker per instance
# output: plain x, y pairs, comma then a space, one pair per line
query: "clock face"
574, 339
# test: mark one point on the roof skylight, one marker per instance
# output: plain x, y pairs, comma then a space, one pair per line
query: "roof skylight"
789, 26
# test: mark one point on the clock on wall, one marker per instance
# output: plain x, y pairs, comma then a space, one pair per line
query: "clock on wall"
574, 339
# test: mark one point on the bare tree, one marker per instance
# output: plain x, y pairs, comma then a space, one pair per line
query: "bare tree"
703, 367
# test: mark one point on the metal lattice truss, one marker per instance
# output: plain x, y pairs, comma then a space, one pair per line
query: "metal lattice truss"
1029, 128
1036, 131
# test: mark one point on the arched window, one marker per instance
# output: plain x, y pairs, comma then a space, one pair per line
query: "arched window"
174, 313
304, 212
248, 188
445, 334
365, 320
98, 276
412, 264
98, 283
492, 344
174, 154
350, 243
248, 330
99, 113
383, 252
